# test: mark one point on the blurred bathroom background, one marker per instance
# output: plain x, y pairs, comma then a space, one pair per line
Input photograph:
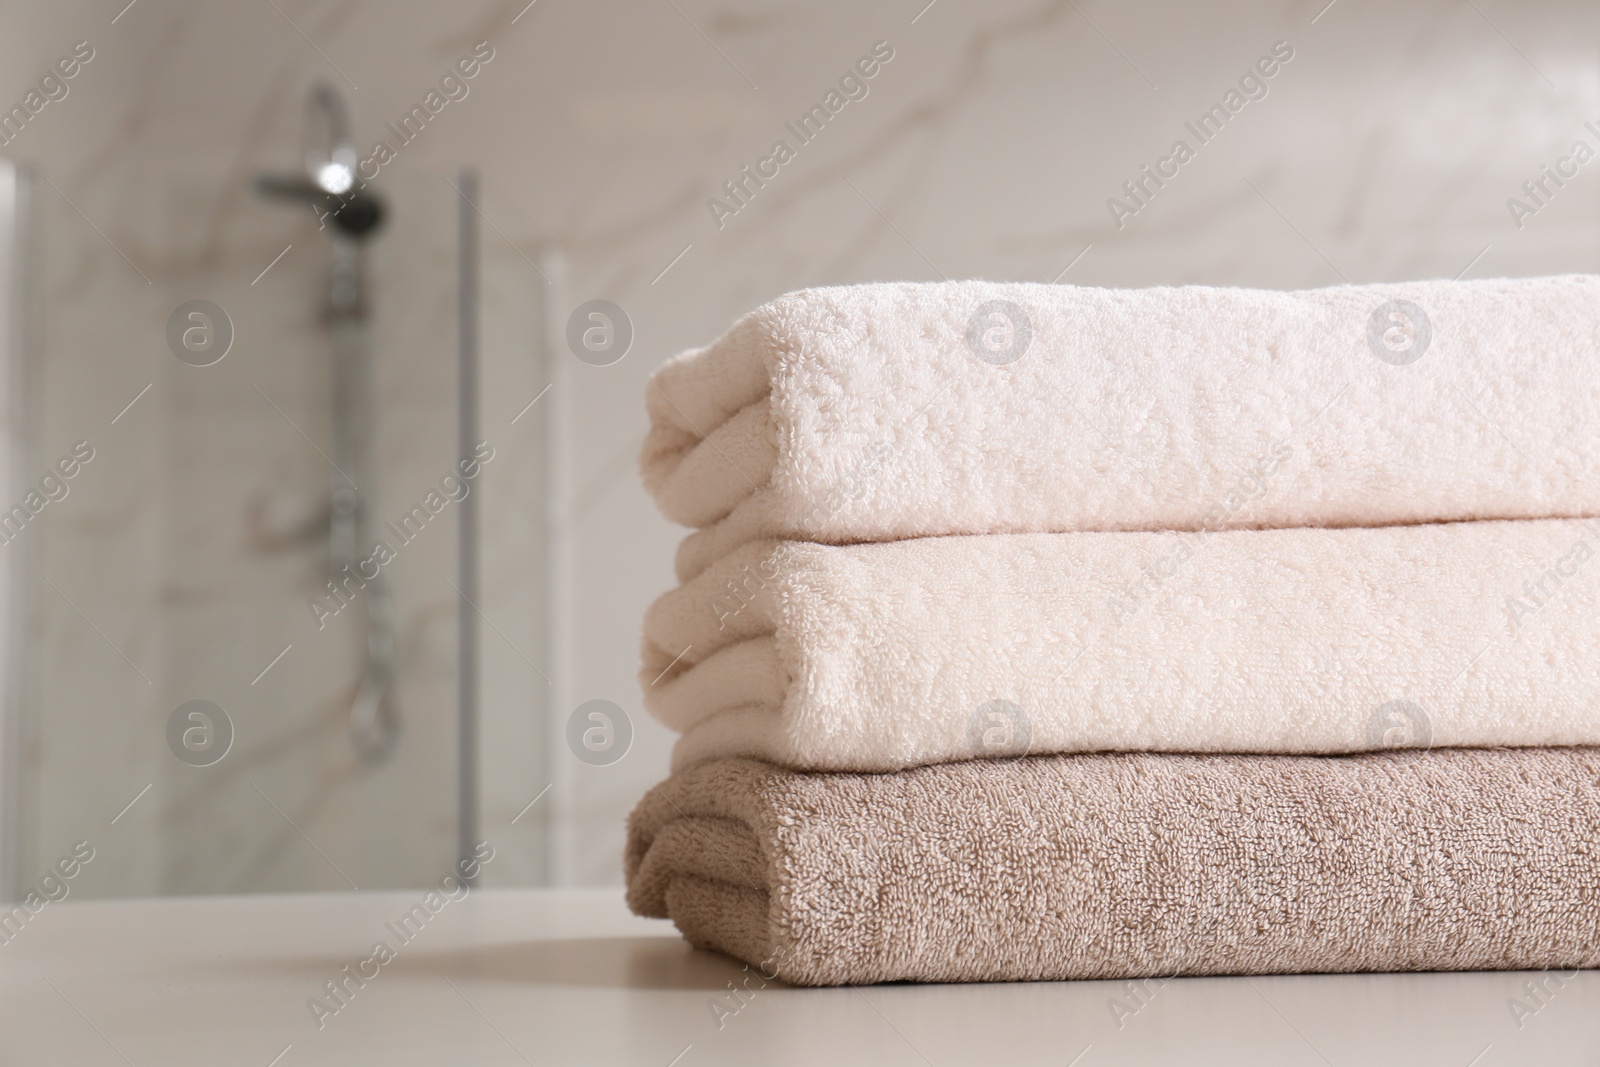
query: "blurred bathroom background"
178, 562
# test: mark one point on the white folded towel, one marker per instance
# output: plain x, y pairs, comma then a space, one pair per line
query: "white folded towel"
885, 656
882, 412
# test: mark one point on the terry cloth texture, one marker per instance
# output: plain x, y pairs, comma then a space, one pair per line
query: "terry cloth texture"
1126, 866
885, 656
887, 411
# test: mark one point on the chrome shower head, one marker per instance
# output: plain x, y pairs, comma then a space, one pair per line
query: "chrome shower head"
329, 151
329, 183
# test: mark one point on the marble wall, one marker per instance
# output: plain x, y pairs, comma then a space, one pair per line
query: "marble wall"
1385, 147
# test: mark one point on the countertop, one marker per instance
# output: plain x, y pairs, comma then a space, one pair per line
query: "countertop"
569, 977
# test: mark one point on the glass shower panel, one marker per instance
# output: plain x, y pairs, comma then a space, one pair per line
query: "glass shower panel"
15, 193
519, 666
190, 671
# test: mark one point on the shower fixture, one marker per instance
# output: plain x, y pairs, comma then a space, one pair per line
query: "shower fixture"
328, 183
330, 186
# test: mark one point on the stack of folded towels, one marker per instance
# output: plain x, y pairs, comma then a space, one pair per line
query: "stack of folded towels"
1041, 632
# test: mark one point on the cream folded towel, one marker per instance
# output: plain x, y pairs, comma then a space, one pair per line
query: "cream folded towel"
1128, 866
882, 412
885, 656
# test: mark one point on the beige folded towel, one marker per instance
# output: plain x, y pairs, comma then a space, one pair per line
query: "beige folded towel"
880, 412
1121, 866
886, 656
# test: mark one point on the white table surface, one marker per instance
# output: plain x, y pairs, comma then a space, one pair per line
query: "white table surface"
548, 977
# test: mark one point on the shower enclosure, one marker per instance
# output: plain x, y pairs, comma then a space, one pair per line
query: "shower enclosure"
242, 650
